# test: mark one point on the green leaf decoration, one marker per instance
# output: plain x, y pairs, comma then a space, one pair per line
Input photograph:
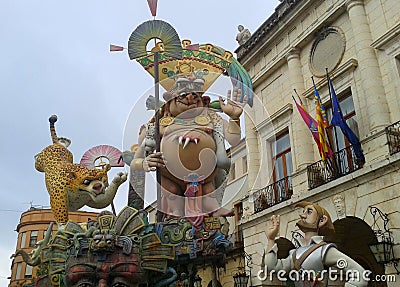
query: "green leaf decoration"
154, 29
240, 78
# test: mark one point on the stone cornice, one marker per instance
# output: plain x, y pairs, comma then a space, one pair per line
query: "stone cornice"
349, 65
281, 58
270, 28
280, 12
285, 109
32, 223
352, 3
278, 114
386, 38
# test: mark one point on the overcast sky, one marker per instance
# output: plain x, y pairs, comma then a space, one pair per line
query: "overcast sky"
55, 59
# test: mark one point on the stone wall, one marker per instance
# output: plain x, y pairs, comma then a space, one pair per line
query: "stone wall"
279, 58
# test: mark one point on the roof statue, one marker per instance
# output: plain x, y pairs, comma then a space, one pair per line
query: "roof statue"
243, 35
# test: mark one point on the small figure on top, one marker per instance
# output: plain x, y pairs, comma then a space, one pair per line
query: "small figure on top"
243, 35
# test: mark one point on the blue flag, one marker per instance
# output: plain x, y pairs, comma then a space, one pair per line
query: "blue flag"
339, 121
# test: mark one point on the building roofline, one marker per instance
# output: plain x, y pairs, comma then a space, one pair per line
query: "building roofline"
280, 12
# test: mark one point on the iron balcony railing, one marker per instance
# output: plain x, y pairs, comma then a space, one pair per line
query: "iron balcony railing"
272, 194
393, 137
343, 162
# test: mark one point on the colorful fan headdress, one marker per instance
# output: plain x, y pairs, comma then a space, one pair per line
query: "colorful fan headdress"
98, 156
198, 62
201, 65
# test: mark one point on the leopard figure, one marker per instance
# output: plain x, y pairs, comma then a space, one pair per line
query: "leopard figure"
72, 186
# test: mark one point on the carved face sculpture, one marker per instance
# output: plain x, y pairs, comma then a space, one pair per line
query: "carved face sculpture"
186, 96
117, 270
186, 105
308, 219
103, 242
315, 218
338, 201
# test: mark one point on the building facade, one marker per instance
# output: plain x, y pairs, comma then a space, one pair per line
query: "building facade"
235, 190
357, 43
31, 228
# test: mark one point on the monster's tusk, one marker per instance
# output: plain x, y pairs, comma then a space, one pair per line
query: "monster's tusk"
186, 142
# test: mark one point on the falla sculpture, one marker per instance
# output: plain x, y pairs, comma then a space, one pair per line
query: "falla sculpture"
72, 186
191, 160
126, 250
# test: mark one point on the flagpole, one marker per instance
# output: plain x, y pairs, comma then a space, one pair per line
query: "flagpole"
157, 132
330, 141
333, 127
153, 9
328, 160
297, 96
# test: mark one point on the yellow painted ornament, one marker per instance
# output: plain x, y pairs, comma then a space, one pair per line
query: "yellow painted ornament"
166, 121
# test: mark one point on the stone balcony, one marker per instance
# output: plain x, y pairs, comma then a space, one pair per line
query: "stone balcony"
342, 163
393, 137
273, 194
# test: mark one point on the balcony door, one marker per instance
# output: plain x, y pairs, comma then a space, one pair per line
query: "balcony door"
283, 167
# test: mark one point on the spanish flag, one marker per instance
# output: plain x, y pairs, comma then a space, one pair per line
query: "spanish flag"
313, 126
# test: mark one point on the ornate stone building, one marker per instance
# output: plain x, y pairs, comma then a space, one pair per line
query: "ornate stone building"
358, 43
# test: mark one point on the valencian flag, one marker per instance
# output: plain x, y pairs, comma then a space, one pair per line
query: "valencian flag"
325, 149
339, 121
322, 121
321, 106
313, 127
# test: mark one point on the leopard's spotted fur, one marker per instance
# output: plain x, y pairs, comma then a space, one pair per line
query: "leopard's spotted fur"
71, 186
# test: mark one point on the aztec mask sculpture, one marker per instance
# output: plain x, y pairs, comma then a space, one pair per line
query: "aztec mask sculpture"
125, 251
110, 251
